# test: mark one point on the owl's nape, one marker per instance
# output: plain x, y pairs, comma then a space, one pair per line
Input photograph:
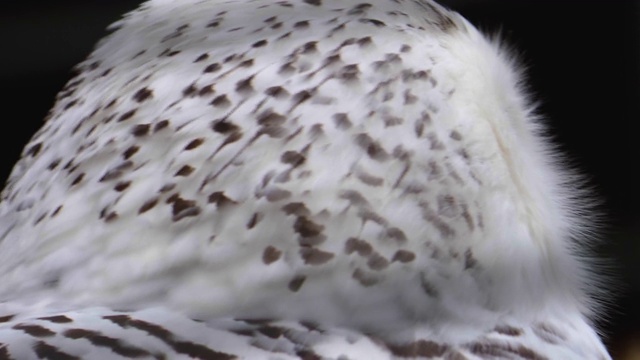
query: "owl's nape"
314, 179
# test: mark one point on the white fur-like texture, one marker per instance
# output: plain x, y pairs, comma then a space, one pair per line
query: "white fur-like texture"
294, 179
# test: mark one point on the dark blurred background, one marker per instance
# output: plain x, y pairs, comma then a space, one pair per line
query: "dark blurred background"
583, 60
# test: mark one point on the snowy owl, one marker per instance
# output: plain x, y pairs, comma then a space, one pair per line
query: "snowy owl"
297, 179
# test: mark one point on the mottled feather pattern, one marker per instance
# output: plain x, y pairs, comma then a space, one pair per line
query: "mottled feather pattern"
315, 179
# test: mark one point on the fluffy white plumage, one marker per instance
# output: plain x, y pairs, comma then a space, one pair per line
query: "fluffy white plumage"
352, 180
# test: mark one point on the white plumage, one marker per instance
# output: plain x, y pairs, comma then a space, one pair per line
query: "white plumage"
293, 179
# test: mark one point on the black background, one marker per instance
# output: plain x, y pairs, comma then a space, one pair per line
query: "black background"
583, 60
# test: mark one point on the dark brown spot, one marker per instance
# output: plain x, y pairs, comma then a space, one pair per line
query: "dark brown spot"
224, 127
364, 41
71, 104
189, 90
296, 208
359, 9
77, 179
373, 148
273, 332
54, 164
396, 234
186, 170
128, 115
148, 205
341, 120
197, 351
68, 165
301, 24
377, 262
212, 68
58, 319
110, 217
38, 220
275, 194
374, 22
46, 351
206, 90
194, 144
56, 211
269, 118
140, 130
130, 152
221, 101
369, 179
182, 208
166, 188
142, 95
286, 69
313, 256
271, 255
309, 48
355, 198
220, 199
6, 318
418, 128
34, 150
306, 227
116, 171
233, 137
409, 98
259, 43
100, 340
277, 92
244, 86
202, 57
301, 96
332, 59
403, 256
313, 2
121, 186
111, 103
292, 158
419, 349
316, 131
246, 63
365, 279
34, 330
296, 283
508, 330
161, 125
455, 135
255, 219
349, 72
362, 247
